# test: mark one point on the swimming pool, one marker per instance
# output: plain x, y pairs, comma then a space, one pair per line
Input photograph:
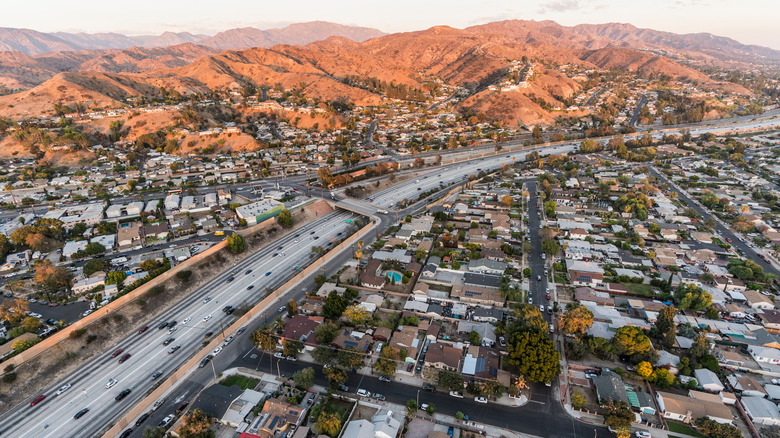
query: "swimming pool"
395, 276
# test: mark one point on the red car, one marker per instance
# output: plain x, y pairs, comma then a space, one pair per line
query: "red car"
37, 400
118, 352
124, 358
143, 329
728, 240
767, 261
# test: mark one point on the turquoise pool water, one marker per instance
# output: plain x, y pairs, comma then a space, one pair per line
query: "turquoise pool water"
395, 276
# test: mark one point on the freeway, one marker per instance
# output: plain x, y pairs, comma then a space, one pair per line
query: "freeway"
270, 266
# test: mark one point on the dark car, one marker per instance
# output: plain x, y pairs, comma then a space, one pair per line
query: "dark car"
143, 329
81, 413
429, 388
124, 358
156, 374
126, 433
268, 273
250, 287
205, 361
123, 394
168, 341
208, 334
228, 309
409, 368
141, 419
182, 407
118, 352
230, 279
172, 324
162, 326
248, 271
37, 400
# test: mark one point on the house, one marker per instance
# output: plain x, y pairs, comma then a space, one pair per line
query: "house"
369, 277
301, 328
746, 386
770, 318
761, 411
87, 284
481, 363
485, 266
406, 338
277, 417
352, 340
157, 231
708, 380
585, 273
477, 295
610, 388
443, 357
764, 354
241, 407
486, 331
696, 404
129, 234
757, 300
383, 424
491, 315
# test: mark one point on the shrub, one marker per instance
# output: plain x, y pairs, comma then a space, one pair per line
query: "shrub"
75, 334
9, 377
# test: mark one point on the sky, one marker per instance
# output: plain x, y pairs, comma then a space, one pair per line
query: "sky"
747, 21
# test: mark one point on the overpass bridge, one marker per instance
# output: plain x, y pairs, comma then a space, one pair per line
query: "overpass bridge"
357, 206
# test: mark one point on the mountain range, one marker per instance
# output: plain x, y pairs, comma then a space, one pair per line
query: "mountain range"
473, 57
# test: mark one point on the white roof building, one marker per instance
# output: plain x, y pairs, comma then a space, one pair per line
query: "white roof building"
708, 380
761, 410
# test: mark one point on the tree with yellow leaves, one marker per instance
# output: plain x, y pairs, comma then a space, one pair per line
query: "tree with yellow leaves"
20, 306
644, 369
196, 424
328, 423
356, 314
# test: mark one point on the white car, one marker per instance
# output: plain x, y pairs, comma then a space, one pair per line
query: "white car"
173, 329
63, 388
167, 420
207, 317
111, 382
228, 340
643, 434
279, 355
363, 393
480, 400
186, 320
216, 351
157, 404
456, 394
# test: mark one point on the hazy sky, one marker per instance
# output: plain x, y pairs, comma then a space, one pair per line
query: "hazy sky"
747, 21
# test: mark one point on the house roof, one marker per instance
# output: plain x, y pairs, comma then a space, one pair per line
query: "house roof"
707, 377
443, 353
760, 408
610, 387
299, 327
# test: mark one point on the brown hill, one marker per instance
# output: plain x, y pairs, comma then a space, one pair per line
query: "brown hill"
294, 34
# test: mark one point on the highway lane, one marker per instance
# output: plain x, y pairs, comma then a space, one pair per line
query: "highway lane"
148, 355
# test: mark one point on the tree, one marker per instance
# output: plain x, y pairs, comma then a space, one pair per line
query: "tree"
386, 367
644, 369
236, 243
20, 345
577, 400
411, 407
474, 338
20, 306
418, 163
149, 265
323, 354
154, 432
451, 380
285, 218
32, 324
325, 176
292, 307
335, 375
713, 429
549, 208
528, 318
329, 423
507, 201
617, 415
326, 332
551, 247
534, 355
263, 340
662, 377
356, 314
690, 296
350, 359
304, 378
95, 265
699, 347
196, 424
334, 305
430, 409
576, 320
629, 341
665, 320
51, 277
292, 347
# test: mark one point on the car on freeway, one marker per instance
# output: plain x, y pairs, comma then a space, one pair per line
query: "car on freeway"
207, 317
186, 320
275, 254
250, 287
156, 374
363, 393
141, 419
268, 273
311, 233
162, 326
172, 323
206, 300
124, 358
37, 400
111, 382
248, 271
173, 349
227, 309
208, 334
117, 352
230, 279
143, 329
81, 413
168, 341
456, 394
480, 400
123, 394
384, 379
63, 388
172, 329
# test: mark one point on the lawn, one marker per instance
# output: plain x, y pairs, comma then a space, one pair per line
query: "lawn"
644, 290
243, 382
683, 428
